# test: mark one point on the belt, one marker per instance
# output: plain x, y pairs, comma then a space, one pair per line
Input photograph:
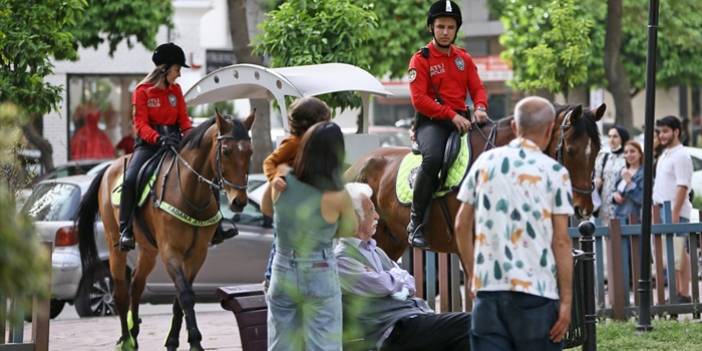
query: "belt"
292, 253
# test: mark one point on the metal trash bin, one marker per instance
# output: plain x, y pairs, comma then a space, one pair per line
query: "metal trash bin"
248, 303
576, 332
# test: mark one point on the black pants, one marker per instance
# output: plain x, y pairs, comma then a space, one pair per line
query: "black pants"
128, 198
432, 136
445, 331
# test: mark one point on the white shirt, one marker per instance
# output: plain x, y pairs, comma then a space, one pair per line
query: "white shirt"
515, 189
674, 169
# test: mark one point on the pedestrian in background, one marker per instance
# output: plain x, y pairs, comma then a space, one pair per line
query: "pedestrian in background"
607, 168
304, 298
628, 193
673, 180
519, 255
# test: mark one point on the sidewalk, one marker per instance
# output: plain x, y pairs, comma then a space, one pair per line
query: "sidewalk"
218, 328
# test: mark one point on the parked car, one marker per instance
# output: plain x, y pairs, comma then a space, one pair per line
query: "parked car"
696, 155
54, 203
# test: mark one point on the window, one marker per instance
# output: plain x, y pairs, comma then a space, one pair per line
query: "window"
100, 114
477, 46
53, 202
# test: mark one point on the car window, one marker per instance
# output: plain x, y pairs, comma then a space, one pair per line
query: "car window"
696, 164
53, 202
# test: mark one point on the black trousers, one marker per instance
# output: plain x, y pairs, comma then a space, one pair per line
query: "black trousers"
445, 331
141, 154
432, 136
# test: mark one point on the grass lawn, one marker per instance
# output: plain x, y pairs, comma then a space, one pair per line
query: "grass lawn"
666, 335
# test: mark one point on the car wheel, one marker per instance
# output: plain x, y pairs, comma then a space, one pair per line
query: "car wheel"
95, 294
55, 308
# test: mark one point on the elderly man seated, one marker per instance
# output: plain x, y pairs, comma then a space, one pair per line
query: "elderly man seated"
378, 296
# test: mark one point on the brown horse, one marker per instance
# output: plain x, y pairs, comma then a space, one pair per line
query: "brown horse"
574, 142
213, 156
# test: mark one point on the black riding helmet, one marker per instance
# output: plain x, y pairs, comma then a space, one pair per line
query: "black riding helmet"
444, 8
169, 54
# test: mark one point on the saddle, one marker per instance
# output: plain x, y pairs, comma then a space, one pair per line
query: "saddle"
146, 177
455, 166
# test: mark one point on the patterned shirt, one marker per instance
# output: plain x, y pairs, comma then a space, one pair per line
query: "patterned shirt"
515, 189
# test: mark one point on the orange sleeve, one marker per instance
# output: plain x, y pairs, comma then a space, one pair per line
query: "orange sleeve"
284, 153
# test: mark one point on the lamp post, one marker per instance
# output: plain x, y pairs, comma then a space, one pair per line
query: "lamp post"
645, 279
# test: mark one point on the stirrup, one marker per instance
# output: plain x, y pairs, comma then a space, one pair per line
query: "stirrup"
126, 243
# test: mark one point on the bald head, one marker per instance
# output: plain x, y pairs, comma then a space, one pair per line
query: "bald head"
533, 114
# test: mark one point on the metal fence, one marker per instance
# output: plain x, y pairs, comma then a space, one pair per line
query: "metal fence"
609, 272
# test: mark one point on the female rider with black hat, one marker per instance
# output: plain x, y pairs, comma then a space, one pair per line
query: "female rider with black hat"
160, 117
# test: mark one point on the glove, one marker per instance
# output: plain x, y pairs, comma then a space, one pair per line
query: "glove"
168, 141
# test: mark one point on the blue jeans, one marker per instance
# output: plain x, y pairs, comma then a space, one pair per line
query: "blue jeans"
304, 302
505, 320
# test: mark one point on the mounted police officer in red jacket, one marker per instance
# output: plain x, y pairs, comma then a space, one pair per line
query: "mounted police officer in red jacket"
160, 116
440, 74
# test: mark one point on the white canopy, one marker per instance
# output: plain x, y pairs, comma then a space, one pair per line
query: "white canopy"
247, 81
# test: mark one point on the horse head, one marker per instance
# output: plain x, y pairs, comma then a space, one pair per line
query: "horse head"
575, 143
231, 158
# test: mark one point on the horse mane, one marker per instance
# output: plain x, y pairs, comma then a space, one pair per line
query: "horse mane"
194, 138
584, 124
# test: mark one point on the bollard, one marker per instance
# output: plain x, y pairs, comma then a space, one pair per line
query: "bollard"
587, 231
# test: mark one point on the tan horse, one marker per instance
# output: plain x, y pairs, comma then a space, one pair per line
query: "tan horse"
575, 143
213, 156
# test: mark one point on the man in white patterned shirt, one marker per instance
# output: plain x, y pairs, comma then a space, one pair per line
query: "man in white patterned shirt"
519, 255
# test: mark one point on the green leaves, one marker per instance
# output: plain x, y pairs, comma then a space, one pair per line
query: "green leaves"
32, 33
379, 36
547, 42
505, 166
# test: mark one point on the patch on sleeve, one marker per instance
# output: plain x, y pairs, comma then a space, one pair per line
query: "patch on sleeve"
412, 74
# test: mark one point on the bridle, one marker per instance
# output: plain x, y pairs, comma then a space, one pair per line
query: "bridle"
561, 158
219, 182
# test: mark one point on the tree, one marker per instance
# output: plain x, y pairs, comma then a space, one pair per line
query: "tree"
303, 32
241, 44
32, 33
548, 44
23, 262
378, 36
619, 44
617, 77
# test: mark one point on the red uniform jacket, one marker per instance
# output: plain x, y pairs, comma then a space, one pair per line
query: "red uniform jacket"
155, 106
450, 76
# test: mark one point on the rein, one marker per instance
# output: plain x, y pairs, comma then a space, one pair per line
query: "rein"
216, 184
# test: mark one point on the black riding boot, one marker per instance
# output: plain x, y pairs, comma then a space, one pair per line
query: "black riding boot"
421, 200
126, 207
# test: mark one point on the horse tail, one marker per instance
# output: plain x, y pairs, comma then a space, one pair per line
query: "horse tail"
85, 223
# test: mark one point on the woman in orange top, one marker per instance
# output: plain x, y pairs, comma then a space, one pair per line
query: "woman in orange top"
160, 117
304, 112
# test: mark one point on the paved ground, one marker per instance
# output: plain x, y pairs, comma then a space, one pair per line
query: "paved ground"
68, 332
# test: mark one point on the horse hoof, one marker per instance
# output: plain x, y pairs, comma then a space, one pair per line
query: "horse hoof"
196, 348
171, 348
126, 344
